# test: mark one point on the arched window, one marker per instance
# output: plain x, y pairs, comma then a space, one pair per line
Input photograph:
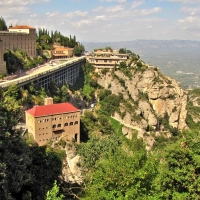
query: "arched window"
59, 125
54, 126
76, 122
71, 123
66, 124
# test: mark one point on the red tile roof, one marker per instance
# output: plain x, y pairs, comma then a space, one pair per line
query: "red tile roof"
21, 27
52, 109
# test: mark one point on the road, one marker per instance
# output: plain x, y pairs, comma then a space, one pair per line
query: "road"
39, 68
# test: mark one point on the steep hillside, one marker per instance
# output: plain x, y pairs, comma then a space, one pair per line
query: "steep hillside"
150, 100
154, 93
138, 102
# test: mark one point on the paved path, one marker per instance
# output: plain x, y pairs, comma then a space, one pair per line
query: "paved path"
39, 68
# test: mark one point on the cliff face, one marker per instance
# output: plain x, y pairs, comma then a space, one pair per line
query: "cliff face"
153, 95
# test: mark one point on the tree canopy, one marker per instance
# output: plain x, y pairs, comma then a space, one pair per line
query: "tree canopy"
3, 26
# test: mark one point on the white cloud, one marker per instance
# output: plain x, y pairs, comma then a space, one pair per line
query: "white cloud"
101, 17
136, 4
150, 26
52, 14
17, 7
20, 2
34, 15
151, 11
76, 14
98, 9
191, 10
189, 19
81, 23
183, 1
119, 1
115, 8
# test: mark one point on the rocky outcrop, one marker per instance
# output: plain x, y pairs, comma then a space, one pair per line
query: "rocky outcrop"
154, 94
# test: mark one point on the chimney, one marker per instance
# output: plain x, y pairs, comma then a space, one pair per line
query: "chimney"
48, 101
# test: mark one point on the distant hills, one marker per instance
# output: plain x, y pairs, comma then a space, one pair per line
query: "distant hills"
179, 59
147, 45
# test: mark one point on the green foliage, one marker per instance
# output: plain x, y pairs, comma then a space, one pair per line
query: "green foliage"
127, 177
3, 26
110, 104
108, 48
195, 92
78, 50
190, 122
88, 125
26, 172
103, 93
157, 80
105, 126
85, 83
122, 50
95, 148
104, 71
17, 59
46, 39
125, 70
53, 194
142, 95
13, 91
121, 81
178, 175
116, 126
139, 64
193, 111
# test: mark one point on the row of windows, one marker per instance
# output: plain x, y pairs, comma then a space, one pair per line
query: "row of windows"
43, 133
44, 120
54, 119
43, 128
49, 139
43, 140
56, 138
66, 124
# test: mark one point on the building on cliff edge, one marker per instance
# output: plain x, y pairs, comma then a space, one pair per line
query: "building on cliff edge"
51, 121
22, 37
102, 59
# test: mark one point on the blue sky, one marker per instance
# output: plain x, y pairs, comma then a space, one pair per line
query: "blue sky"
108, 20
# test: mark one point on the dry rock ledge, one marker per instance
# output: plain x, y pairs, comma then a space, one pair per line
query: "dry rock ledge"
163, 96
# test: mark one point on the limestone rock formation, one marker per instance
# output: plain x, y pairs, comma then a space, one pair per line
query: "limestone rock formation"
155, 95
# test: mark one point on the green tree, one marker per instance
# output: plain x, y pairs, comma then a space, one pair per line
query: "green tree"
3, 26
78, 50
122, 50
53, 194
179, 169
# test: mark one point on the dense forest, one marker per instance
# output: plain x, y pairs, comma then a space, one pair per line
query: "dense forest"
46, 39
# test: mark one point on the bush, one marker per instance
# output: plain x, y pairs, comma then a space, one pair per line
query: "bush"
104, 71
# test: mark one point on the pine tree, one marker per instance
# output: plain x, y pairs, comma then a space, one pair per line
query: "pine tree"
3, 26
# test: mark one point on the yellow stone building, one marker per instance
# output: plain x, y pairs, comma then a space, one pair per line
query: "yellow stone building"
102, 59
62, 52
22, 37
51, 121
